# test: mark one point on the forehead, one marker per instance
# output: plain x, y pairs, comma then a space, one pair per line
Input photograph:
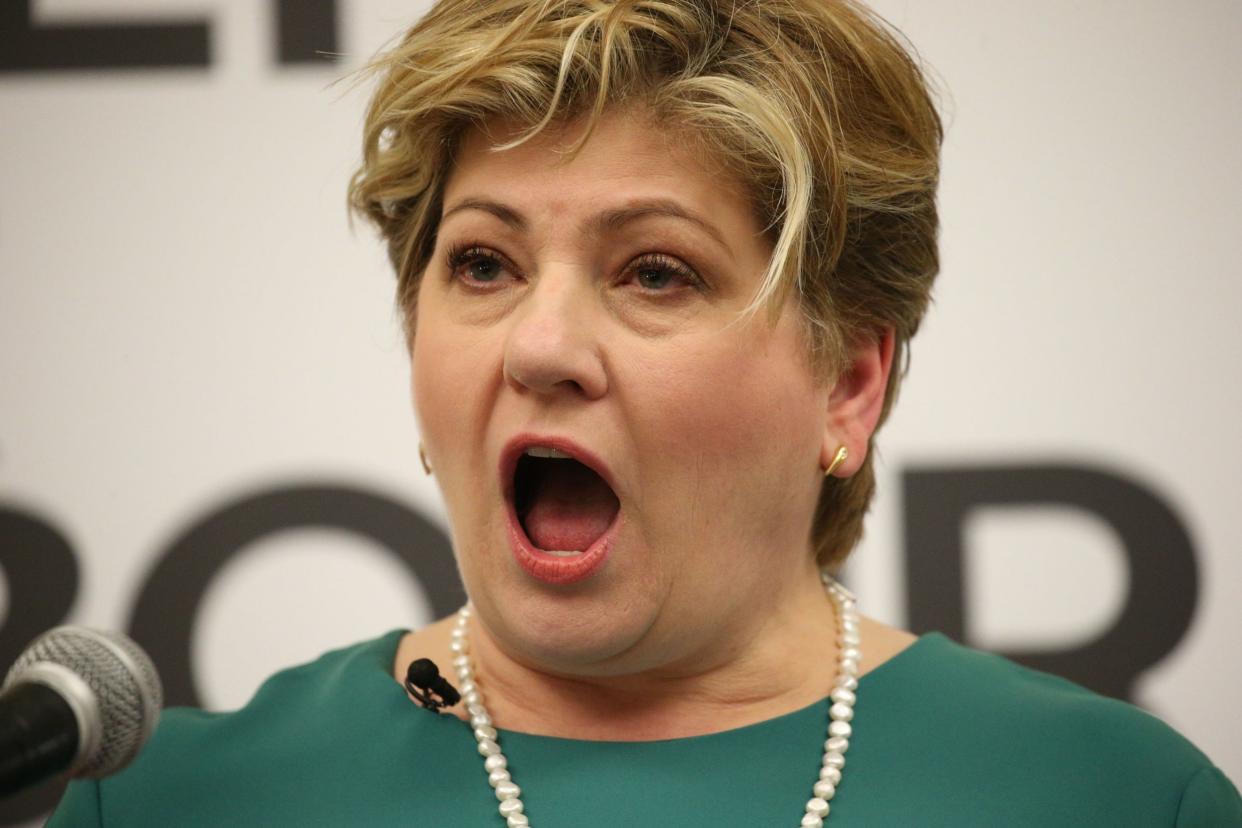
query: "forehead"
629, 155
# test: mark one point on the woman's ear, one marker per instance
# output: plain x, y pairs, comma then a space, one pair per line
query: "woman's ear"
855, 403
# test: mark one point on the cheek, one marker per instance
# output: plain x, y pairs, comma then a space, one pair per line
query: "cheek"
451, 399
724, 431
432, 396
724, 405
450, 372
724, 436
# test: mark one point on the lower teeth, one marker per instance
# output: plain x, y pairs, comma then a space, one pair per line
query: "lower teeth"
563, 553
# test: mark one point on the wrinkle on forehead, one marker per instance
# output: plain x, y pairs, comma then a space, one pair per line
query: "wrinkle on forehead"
495, 136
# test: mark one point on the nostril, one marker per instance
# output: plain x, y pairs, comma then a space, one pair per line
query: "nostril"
554, 349
574, 374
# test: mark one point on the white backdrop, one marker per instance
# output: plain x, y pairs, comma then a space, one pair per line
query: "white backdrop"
185, 315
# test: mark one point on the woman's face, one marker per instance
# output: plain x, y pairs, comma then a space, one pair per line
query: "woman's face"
590, 306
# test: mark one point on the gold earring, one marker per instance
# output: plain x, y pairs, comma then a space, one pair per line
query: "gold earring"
842, 453
422, 455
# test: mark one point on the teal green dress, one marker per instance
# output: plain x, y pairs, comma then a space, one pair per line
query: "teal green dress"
943, 736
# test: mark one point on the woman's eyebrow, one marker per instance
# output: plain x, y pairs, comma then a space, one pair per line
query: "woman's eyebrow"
603, 222
611, 220
508, 215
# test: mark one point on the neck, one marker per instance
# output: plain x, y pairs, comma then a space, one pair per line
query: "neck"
774, 665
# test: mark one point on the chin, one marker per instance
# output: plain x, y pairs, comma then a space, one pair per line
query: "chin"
576, 631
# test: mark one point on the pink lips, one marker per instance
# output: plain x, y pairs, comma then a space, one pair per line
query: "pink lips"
553, 569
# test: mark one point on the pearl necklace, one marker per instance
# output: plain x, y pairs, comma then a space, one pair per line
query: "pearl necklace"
840, 713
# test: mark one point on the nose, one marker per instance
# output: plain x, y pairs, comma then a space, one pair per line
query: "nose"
553, 347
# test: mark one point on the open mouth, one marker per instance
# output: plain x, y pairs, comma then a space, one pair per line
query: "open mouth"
562, 505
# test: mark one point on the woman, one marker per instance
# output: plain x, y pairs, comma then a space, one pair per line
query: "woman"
659, 264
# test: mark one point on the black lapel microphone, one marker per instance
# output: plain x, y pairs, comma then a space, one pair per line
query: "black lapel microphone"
432, 690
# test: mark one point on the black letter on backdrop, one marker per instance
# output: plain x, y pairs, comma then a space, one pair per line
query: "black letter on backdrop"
1164, 578
306, 33
41, 573
307, 30
163, 620
25, 47
42, 576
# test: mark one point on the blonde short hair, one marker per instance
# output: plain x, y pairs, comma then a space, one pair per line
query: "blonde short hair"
817, 106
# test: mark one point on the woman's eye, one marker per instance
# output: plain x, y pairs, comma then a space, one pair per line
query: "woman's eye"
660, 273
475, 265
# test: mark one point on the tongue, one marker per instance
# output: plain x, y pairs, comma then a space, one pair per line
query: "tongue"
571, 508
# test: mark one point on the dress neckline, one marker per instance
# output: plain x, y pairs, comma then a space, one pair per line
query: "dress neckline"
885, 673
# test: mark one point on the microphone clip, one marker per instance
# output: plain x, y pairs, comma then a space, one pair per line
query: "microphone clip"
430, 689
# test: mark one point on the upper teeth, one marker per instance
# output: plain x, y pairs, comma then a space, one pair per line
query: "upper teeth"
544, 451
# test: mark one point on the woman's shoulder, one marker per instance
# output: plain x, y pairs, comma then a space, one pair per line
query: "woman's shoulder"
988, 691
290, 694
982, 683
320, 723
301, 701
1003, 723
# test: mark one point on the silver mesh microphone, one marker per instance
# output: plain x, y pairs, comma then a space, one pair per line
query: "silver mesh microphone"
109, 683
